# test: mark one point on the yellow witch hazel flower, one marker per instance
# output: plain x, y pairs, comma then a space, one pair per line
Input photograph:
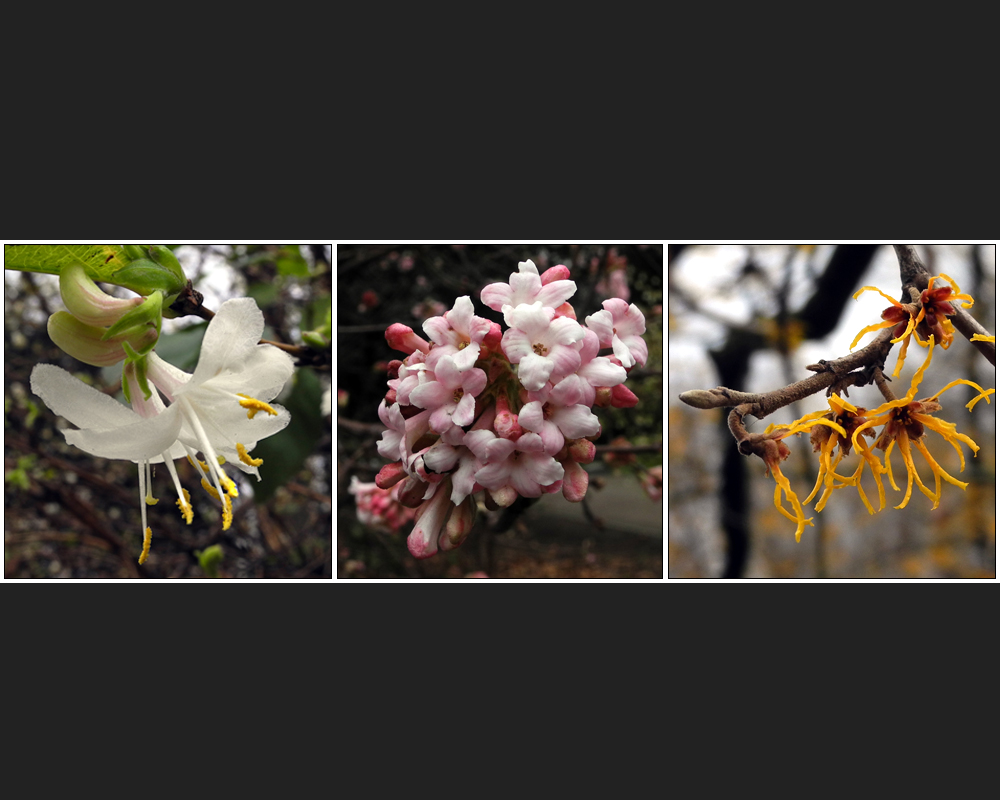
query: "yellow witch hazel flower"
824, 439
774, 451
929, 317
905, 422
221, 411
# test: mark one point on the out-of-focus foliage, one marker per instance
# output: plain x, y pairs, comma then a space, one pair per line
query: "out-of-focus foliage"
70, 515
381, 284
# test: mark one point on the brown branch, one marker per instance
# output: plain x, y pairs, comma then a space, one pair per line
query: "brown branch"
850, 370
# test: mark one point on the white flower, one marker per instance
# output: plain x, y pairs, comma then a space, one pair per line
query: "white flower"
213, 412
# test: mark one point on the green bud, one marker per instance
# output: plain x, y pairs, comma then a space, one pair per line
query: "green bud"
147, 315
138, 362
133, 251
165, 257
315, 341
144, 277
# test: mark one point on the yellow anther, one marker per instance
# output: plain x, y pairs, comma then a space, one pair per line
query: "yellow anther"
230, 487
150, 500
227, 513
147, 540
245, 458
221, 460
185, 506
209, 488
198, 463
253, 406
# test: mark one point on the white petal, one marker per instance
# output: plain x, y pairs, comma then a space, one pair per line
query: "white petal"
137, 442
232, 334
82, 405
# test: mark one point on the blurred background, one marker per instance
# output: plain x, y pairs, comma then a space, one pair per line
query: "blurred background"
751, 318
70, 515
617, 532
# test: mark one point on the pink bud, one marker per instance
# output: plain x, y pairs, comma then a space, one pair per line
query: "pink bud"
602, 396
393, 368
582, 451
390, 475
491, 341
566, 310
459, 524
505, 423
622, 397
402, 338
559, 272
390, 397
575, 482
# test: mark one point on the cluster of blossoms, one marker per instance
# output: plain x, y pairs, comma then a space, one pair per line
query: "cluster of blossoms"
905, 421
508, 413
174, 414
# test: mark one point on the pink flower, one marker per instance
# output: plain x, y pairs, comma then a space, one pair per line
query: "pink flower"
527, 468
451, 396
620, 326
543, 348
594, 371
556, 423
458, 334
526, 287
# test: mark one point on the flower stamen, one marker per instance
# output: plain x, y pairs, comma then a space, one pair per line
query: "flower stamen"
253, 406
245, 457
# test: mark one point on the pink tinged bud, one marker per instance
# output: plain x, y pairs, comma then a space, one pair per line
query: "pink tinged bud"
390, 397
393, 368
491, 341
423, 540
602, 396
402, 338
84, 342
575, 482
459, 524
622, 397
560, 272
390, 475
582, 451
505, 423
85, 300
566, 310
504, 496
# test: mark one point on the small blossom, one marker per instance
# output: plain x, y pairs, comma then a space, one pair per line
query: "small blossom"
543, 348
451, 396
525, 288
620, 326
458, 334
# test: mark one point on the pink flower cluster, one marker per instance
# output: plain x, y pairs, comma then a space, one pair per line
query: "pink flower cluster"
380, 508
505, 412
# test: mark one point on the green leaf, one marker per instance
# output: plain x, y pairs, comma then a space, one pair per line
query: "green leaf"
285, 453
100, 260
